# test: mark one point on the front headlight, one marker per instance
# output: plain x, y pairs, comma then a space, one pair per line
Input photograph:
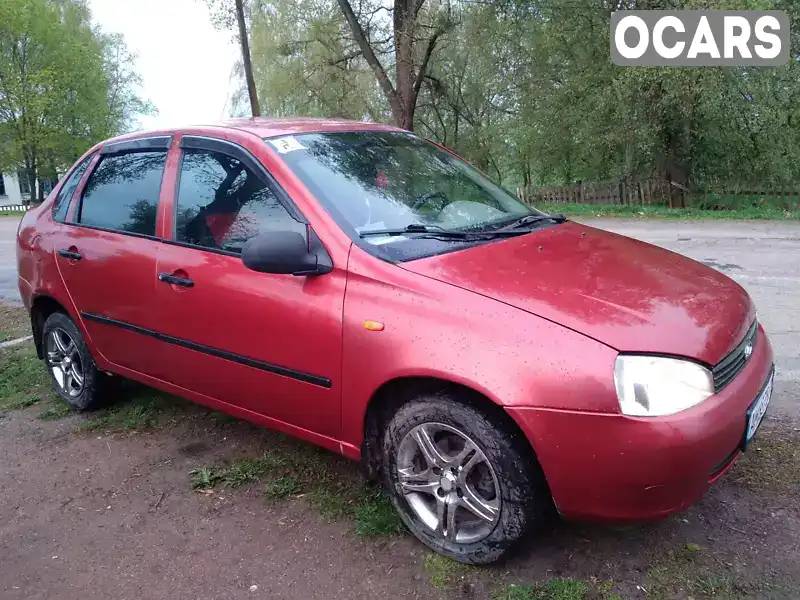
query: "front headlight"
654, 386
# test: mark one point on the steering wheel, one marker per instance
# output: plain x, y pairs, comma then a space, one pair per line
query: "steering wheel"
427, 197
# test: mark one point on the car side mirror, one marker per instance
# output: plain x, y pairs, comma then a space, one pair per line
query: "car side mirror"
286, 252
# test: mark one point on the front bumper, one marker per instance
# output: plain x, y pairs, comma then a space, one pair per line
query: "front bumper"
612, 467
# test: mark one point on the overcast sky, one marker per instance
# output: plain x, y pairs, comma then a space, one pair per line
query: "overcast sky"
185, 63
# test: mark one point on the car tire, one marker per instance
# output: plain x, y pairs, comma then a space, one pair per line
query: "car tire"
73, 373
490, 493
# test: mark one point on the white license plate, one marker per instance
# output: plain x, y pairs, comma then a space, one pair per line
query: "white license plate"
758, 409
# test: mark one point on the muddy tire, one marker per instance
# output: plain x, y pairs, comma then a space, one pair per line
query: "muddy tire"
465, 483
73, 373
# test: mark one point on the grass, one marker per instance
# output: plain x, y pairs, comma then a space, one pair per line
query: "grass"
697, 573
14, 323
281, 487
687, 572
771, 462
24, 381
23, 378
142, 411
203, 478
558, 589
57, 409
444, 572
297, 469
664, 212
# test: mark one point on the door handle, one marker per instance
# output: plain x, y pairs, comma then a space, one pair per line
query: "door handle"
173, 280
69, 254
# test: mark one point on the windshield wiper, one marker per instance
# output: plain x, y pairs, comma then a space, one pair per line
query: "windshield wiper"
531, 219
438, 232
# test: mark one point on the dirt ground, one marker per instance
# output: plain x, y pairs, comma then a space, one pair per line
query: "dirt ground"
102, 506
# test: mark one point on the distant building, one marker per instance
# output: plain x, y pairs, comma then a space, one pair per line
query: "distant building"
16, 190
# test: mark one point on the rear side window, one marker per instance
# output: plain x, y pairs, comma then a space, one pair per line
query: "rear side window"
122, 192
222, 203
61, 204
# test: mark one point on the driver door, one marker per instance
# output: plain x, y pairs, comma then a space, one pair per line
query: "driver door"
267, 343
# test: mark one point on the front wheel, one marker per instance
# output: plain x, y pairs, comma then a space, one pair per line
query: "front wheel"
466, 484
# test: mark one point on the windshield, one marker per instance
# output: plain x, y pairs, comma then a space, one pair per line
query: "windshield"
389, 180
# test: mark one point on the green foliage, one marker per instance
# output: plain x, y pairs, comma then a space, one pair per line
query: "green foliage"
632, 211
64, 85
553, 589
56, 409
311, 473
139, 412
281, 487
23, 378
444, 572
526, 90
203, 478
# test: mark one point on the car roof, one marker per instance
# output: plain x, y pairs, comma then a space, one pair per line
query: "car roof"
265, 127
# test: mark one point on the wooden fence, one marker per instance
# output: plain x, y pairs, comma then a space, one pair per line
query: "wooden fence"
659, 192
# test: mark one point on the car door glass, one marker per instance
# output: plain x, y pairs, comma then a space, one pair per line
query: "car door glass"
122, 192
222, 203
61, 204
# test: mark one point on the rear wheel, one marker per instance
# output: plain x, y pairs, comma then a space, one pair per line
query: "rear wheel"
465, 484
73, 373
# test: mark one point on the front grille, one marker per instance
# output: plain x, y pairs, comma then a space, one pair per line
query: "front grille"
729, 367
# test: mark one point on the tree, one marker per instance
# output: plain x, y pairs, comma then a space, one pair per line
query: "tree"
526, 89
61, 87
303, 64
224, 14
408, 37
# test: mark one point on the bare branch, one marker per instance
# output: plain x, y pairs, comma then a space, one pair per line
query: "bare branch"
425, 60
372, 60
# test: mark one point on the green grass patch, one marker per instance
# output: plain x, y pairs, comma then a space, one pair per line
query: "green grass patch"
375, 515
443, 572
697, 573
630, 211
14, 323
55, 410
297, 469
141, 411
24, 381
685, 572
203, 478
771, 462
558, 589
281, 487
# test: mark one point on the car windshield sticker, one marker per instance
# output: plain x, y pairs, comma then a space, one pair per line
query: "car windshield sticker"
287, 144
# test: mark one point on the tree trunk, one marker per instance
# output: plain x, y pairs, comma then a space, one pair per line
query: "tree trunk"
404, 68
402, 96
255, 109
30, 174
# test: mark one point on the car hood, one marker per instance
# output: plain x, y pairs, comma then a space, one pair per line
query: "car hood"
627, 294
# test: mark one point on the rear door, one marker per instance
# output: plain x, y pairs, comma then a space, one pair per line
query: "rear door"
107, 247
268, 343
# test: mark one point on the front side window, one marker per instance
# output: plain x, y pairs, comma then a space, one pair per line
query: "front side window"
389, 180
61, 204
122, 193
222, 203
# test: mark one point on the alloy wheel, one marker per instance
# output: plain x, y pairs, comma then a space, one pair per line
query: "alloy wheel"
64, 362
448, 483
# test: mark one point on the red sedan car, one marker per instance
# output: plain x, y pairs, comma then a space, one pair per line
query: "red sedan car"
368, 291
